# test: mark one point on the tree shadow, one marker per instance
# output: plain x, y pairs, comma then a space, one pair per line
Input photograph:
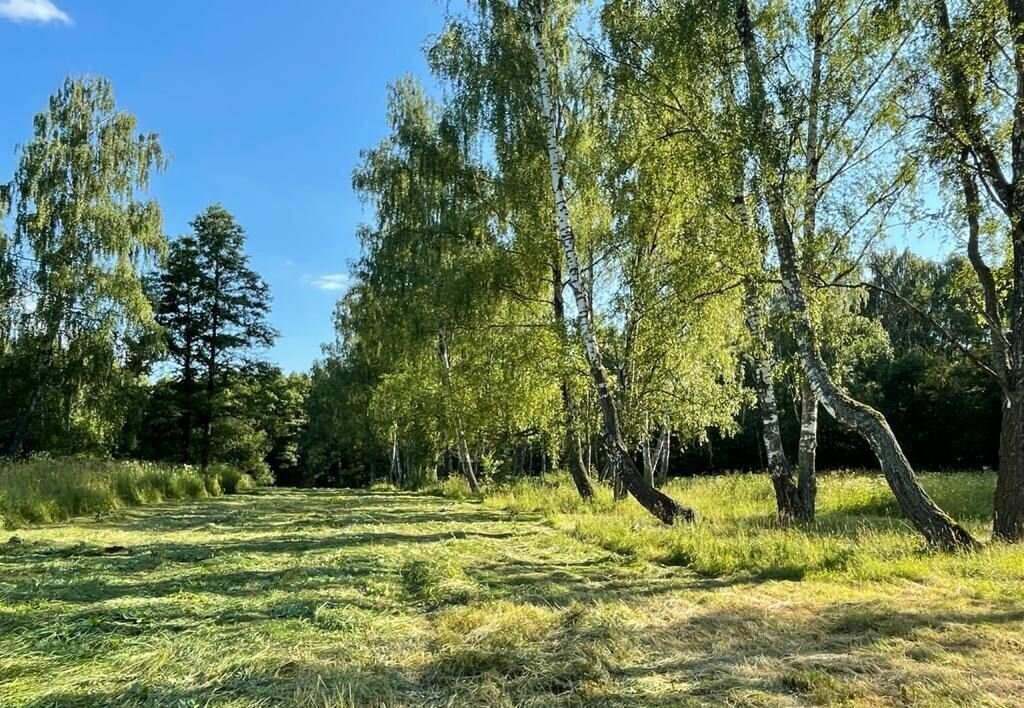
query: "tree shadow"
254, 568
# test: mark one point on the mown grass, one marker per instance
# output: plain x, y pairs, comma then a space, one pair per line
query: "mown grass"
383, 598
46, 491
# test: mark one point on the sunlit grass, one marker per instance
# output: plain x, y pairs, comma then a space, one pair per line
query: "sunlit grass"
323, 599
859, 532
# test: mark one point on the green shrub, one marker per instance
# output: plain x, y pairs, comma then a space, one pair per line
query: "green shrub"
212, 483
231, 479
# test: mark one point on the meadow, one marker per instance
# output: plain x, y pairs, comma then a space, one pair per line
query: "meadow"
528, 598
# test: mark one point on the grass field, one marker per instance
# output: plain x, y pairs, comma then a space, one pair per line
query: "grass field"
384, 598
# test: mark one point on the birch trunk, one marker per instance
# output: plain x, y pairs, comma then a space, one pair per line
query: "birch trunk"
807, 452
572, 450
659, 504
788, 502
465, 457
395, 469
664, 450
934, 524
790, 505
648, 462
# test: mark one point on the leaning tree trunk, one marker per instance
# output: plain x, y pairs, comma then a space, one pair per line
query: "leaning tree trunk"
572, 450
807, 452
926, 516
934, 524
660, 505
465, 457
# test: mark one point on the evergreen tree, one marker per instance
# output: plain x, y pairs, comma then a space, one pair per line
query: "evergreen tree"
214, 309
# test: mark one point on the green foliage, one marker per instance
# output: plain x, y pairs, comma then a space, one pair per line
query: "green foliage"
214, 310
73, 303
230, 479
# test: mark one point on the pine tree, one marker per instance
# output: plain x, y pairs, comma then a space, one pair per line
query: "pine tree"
214, 308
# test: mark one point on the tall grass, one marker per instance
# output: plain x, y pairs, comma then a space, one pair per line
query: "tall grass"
859, 533
44, 490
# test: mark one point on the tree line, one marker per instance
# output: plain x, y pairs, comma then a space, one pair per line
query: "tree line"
633, 226
114, 339
634, 240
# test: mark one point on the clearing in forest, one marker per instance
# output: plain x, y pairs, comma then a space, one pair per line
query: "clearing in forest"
348, 598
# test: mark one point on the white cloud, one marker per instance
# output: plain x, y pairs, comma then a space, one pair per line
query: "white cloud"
332, 282
33, 11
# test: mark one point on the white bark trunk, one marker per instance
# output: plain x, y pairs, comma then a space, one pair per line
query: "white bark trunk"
654, 501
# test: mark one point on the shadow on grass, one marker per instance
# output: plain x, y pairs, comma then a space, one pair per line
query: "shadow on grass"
252, 573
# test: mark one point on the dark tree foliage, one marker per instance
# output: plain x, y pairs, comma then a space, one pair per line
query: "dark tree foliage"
214, 309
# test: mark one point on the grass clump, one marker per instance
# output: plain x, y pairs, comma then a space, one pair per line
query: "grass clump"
524, 648
438, 582
45, 491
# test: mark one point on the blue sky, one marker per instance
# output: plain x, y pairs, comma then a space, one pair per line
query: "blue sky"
263, 105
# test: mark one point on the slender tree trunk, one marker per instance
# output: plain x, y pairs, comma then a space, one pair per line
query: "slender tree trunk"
571, 448
395, 469
807, 452
187, 420
648, 462
211, 371
465, 457
926, 516
660, 505
666, 455
788, 502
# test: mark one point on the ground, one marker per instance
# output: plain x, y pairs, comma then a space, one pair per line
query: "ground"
347, 598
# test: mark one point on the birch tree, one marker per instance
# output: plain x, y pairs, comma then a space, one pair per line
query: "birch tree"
653, 500
81, 220
427, 257
674, 107
768, 141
